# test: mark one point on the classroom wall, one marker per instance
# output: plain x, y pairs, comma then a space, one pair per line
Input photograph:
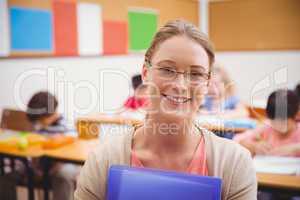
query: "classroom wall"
81, 89
80, 83
257, 73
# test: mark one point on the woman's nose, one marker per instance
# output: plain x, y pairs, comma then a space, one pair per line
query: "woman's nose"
181, 81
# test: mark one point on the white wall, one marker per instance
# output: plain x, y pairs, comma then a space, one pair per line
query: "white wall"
256, 74
78, 84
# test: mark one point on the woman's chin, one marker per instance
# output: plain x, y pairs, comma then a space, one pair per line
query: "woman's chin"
179, 113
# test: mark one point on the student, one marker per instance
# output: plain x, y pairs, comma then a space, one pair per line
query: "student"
281, 134
42, 112
176, 72
135, 102
221, 99
297, 91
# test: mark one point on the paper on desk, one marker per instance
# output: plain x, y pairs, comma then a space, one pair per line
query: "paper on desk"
228, 123
277, 165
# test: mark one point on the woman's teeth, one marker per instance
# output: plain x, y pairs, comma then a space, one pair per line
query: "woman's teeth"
177, 99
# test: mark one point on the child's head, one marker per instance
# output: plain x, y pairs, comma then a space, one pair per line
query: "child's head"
282, 108
41, 108
137, 84
220, 84
136, 81
297, 90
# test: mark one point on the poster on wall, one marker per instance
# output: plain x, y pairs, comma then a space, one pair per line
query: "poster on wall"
142, 27
31, 30
4, 29
90, 39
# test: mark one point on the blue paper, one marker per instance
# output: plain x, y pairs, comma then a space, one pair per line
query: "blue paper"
125, 183
240, 123
31, 29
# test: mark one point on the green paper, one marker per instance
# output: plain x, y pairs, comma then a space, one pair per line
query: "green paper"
142, 27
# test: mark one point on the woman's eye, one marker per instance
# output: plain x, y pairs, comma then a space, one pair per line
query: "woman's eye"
196, 74
167, 70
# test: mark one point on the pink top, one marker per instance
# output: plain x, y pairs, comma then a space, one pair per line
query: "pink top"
197, 166
268, 134
135, 103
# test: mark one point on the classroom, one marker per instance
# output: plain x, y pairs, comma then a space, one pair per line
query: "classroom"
93, 104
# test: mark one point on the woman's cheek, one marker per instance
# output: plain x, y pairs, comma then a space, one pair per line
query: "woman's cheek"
152, 94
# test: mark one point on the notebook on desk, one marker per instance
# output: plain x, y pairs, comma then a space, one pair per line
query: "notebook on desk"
126, 183
277, 165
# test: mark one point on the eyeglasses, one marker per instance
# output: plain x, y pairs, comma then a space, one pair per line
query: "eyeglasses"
169, 73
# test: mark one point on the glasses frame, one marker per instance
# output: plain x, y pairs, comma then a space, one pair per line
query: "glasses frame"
149, 65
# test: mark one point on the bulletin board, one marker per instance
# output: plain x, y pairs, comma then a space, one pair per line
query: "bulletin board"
237, 25
85, 27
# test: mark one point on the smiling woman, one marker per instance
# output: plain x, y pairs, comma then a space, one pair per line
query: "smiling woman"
176, 73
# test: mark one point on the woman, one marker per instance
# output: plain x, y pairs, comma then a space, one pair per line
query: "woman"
176, 72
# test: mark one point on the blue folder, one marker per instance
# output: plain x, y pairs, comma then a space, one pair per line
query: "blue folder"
129, 183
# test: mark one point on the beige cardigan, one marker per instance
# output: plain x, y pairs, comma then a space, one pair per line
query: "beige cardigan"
225, 159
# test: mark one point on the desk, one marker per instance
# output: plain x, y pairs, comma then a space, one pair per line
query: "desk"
22, 155
278, 182
76, 152
123, 120
110, 119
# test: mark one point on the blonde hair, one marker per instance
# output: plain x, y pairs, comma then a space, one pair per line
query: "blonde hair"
225, 78
178, 28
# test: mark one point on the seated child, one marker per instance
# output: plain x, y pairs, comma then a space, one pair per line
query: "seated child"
42, 112
135, 102
280, 135
297, 91
221, 98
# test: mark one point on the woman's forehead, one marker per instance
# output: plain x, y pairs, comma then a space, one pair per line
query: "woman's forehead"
181, 51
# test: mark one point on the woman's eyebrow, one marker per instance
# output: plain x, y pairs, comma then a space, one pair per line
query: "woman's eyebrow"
197, 67
166, 62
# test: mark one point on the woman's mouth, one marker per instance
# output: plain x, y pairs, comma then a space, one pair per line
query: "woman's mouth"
176, 99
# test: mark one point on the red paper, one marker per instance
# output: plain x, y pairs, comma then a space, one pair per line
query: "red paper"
65, 28
115, 37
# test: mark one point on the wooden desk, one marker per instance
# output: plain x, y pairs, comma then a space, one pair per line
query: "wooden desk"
88, 127
110, 119
84, 124
22, 155
76, 152
31, 152
279, 181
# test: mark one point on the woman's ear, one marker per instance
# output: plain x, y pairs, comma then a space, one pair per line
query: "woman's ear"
145, 73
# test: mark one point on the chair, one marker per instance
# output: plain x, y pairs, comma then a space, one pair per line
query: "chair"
257, 113
15, 120
89, 127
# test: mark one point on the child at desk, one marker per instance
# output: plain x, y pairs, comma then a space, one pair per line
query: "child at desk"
281, 134
221, 98
135, 102
42, 112
297, 91
221, 101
